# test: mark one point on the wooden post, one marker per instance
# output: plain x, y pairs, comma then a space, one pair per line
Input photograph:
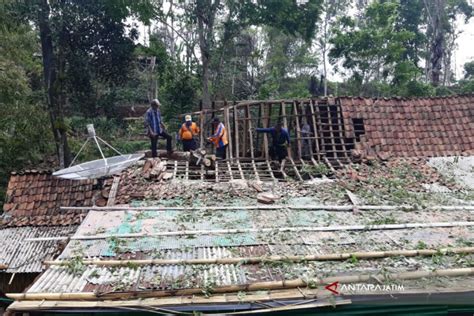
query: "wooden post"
201, 126
285, 124
245, 133
315, 130
252, 154
298, 131
229, 130
236, 125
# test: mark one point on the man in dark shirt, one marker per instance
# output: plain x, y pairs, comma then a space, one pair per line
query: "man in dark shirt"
280, 141
155, 127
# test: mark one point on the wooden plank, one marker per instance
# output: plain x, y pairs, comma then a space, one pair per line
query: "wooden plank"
296, 169
270, 170
237, 132
229, 130
201, 132
240, 169
315, 127
230, 171
186, 174
265, 136
326, 160
303, 163
252, 154
113, 191
285, 124
245, 133
175, 170
298, 131
342, 135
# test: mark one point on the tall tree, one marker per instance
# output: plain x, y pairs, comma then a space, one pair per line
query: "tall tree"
372, 48
330, 11
52, 84
81, 41
441, 32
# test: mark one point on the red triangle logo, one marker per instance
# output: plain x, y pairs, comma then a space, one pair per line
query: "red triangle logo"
332, 287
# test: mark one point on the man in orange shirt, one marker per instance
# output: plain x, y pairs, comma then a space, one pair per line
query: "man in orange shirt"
219, 139
189, 130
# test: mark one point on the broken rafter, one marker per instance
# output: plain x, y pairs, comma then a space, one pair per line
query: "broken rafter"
265, 285
265, 230
269, 259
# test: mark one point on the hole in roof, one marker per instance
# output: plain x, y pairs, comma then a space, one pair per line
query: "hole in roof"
359, 128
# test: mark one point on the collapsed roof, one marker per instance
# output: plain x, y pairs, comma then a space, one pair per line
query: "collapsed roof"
181, 241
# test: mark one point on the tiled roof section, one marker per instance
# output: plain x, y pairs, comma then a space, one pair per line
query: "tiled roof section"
423, 127
34, 197
65, 218
27, 257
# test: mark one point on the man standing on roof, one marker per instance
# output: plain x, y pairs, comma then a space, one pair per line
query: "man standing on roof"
188, 133
219, 139
155, 127
280, 141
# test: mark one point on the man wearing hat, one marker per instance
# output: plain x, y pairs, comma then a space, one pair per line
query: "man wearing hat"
155, 127
187, 133
219, 139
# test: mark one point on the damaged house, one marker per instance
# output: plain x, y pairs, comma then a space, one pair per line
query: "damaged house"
374, 204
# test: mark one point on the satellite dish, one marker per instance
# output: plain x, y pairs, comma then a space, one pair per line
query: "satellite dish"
97, 168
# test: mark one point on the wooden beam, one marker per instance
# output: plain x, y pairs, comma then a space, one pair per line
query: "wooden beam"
315, 127
285, 123
229, 130
237, 141
298, 131
270, 170
113, 191
270, 259
240, 169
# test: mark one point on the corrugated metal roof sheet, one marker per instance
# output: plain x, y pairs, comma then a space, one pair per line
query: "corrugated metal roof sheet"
25, 257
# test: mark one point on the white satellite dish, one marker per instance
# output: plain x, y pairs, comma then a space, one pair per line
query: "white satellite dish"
97, 168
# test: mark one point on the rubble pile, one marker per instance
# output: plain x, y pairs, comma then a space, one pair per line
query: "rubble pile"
395, 180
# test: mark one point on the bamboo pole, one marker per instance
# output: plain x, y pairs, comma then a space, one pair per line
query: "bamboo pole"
271, 259
181, 300
273, 207
257, 286
266, 230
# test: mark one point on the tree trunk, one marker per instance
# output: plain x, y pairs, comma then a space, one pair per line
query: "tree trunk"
206, 13
53, 86
436, 13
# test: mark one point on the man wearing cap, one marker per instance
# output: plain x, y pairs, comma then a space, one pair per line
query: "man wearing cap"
155, 127
280, 141
219, 139
188, 132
